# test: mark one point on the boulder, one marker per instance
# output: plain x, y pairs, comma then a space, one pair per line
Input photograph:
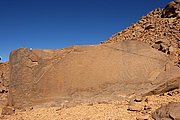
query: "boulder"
7, 111
135, 106
170, 111
88, 73
159, 28
171, 9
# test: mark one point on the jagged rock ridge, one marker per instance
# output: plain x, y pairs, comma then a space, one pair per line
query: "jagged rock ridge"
159, 28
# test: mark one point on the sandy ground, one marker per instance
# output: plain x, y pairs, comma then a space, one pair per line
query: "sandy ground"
115, 110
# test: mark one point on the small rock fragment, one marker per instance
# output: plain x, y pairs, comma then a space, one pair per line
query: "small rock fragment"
143, 117
170, 111
8, 111
135, 107
138, 99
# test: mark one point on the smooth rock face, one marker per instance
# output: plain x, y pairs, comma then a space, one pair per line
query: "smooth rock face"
88, 73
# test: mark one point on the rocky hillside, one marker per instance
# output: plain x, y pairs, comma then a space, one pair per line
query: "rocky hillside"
121, 79
4, 82
160, 29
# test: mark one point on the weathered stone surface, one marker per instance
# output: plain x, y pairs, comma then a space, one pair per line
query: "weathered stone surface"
161, 25
88, 73
143, 117
135, 106
170, 111
7, 111
138, 98
4, 82
177, 1
171, 10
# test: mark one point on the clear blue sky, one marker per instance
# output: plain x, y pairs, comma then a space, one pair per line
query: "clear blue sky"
56, 24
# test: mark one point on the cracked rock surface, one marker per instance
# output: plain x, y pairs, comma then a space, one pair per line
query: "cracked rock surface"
81, 74
134, 75
169, 111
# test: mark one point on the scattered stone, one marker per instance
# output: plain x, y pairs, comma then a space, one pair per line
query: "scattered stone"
157, 46
4, 82
169, 111
161, 94
29, 108
147, 107
135, 106
90, 104
103, 102
177, 1
174, 92
159, 25
143, 117
7, 111
138, 99
170, 94
58, 109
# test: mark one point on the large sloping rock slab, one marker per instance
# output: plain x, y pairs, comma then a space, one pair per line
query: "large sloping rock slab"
87, 73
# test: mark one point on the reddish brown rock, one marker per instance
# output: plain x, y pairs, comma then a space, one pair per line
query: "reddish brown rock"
8, 111
88, 73
4, 82
176, 1
135, 106
159, 28
171, 10
170, 111
143, 117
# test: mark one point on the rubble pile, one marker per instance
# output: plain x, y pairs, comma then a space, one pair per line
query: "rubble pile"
4, 82
160, 29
